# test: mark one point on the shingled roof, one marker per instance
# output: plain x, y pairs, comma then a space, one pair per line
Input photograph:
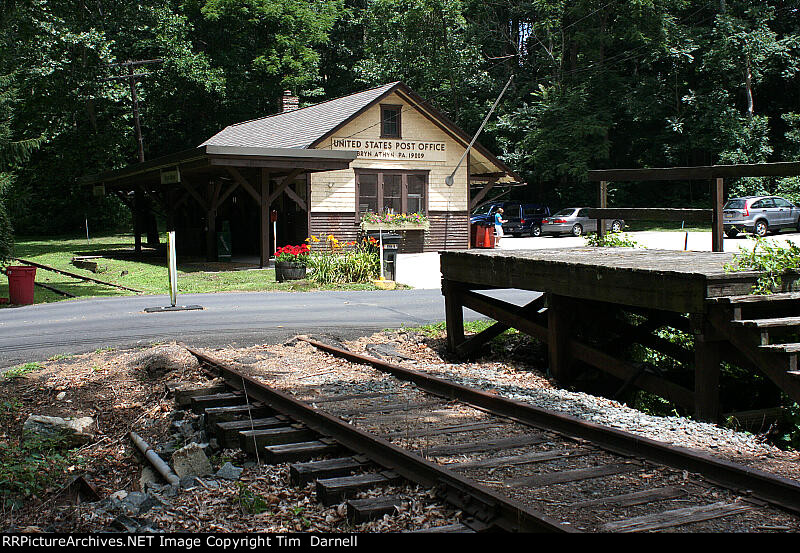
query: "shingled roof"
299, 128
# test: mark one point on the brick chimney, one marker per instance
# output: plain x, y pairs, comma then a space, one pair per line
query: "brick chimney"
289, 102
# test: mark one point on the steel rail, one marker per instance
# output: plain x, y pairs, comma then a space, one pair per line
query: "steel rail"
771, 488
488, 507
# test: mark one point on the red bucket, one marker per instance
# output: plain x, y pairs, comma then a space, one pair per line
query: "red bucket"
20, 284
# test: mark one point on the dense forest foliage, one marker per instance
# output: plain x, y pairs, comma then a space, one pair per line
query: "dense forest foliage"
598, 84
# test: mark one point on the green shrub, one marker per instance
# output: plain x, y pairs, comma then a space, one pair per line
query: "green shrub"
336, 267
611, 240
31, 468
769, 258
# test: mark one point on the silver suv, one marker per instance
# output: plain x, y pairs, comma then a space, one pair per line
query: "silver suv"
759, 215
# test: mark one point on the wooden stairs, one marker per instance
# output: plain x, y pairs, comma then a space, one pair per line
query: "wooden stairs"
766, 329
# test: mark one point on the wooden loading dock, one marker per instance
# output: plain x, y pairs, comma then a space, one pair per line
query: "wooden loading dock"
599, 301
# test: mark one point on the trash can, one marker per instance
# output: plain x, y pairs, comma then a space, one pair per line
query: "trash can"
484, 236
20, 284
224, 249
391, 243
473, 235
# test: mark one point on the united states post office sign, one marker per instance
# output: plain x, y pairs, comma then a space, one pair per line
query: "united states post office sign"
393, 150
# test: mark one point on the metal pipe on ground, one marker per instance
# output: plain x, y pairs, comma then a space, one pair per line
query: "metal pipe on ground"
156, 461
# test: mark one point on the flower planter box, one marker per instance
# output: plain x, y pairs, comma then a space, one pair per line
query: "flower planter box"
289, 271
393, 227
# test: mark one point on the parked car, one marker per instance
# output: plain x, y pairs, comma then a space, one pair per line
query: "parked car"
573, 220
522, 218
759, 215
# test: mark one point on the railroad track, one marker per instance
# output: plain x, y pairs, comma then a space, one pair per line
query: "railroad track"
506, 465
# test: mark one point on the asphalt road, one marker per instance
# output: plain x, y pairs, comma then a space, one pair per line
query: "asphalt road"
37, 332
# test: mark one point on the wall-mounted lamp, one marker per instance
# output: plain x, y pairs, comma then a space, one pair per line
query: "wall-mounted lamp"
330, 184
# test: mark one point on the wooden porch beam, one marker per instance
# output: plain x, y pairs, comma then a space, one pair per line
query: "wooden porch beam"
287, 180
190, 188
228, 191
297, 199
237, 176
480, 195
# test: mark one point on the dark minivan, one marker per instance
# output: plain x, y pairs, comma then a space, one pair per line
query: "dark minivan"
523, 218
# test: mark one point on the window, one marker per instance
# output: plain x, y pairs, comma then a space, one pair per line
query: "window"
511, 211
391, 191
390, 121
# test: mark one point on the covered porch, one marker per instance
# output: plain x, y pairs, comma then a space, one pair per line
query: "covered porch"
260, 196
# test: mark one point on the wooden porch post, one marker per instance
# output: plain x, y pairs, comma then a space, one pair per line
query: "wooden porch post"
716, 229
211, 227
602, 202
264, 217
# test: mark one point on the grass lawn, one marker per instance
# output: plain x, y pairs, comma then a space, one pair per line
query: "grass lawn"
148, 274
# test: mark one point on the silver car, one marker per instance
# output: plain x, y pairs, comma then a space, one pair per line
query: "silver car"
573, 220
759, 215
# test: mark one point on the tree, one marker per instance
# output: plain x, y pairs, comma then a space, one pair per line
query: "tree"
12, 153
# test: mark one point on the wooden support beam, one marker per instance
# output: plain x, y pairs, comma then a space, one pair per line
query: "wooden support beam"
297, 199
716, 229
504, 312
191, 190
287, 180
264, 222
559, 329
237, 176
211, 224
602, 203
624, 370
706, 379
181, 200
480, 195
474, 343
454, 315
228, 191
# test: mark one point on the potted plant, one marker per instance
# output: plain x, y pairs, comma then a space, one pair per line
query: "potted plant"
290, 262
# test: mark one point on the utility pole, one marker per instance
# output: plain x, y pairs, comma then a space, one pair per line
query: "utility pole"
139, 200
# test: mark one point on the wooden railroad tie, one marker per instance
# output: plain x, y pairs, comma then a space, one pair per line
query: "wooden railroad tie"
302, 451
676, 517
335, 490
301, 474
252, 439
228, 432
371, 508
231, 413
199, 403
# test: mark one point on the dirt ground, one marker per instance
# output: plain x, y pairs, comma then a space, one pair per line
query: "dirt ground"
128, 390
